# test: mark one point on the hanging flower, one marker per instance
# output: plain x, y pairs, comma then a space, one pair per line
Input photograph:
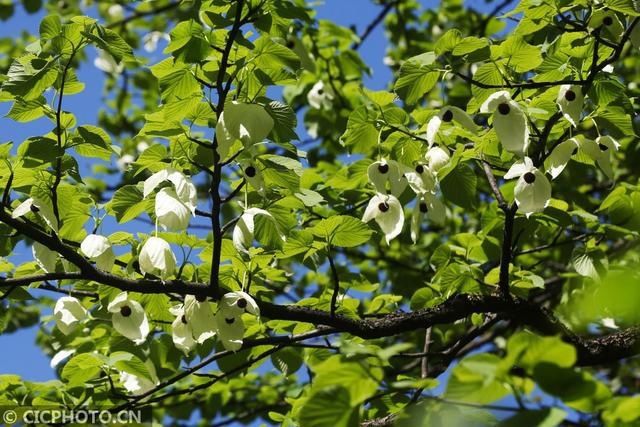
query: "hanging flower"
129, 318
533, 190
253, 175
570, 101
244, 228
105, 62
45, 257
171, 213
181, 330
429, 205
560, 156
185, 190
447, 115
607, 22
600, 151
116, 12
200, 317
249, 123
230, 330
136, 384
388, 213
61, 356
387, 171
437, 158
321, 96
39, 208
509, 121
421, 179
151, 40
157, 258
68, 313
237, 303
98, 248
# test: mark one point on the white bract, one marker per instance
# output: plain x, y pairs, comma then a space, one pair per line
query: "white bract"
253, 175
116, 11
437, 158
68, 313
157, 258
421, 179
171, 212
447, 115
237, 303
185, 190
320, 96
45, 257
385, 172
61, 356
129, 318
244, 228
44, 210
607, 22
533, 190
560, 156
429, 205
600, 151
230, 330
570, 101
509, 122
105, 62
387, 212
98, 248
181, 330
135, 384
249, 123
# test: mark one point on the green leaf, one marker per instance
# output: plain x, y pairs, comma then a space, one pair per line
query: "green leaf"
418, 75
288, 360
26, 111
81, 368
329, 408
361, 134
127, 203
179, 84
344, 231
459, 186
541, 418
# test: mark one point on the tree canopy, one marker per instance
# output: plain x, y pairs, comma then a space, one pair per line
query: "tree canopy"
246, 232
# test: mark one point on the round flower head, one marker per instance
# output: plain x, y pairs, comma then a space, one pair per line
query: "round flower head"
570, 101
600, 151
509, 121
253, 175
320, 96
230, 330
421, 179
533, 190
447, 115
388, 213
184, 189
236, 303
156, 258
39, 208
45, 257
429, 205
437, 158
386, 171
560, 156
171, 213
98, 248
249, 123
68, 313
129, 318
243, 230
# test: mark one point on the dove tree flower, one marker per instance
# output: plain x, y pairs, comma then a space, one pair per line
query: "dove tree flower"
509, 122
98, 248
157, 258
128, 318
248, 123
173, 205
150, 40
230, 326
570, 101
171, 212
560, 156
244, 228
437, 158
320, 96
606, 21
253, 175
421, 179
105, 62
383, 172
69, 313
194, 323
181, 330
600, 151
430, 206
387, 211
533, 190
138, 384
449, 114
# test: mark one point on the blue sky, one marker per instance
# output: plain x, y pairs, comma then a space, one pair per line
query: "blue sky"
24, 358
